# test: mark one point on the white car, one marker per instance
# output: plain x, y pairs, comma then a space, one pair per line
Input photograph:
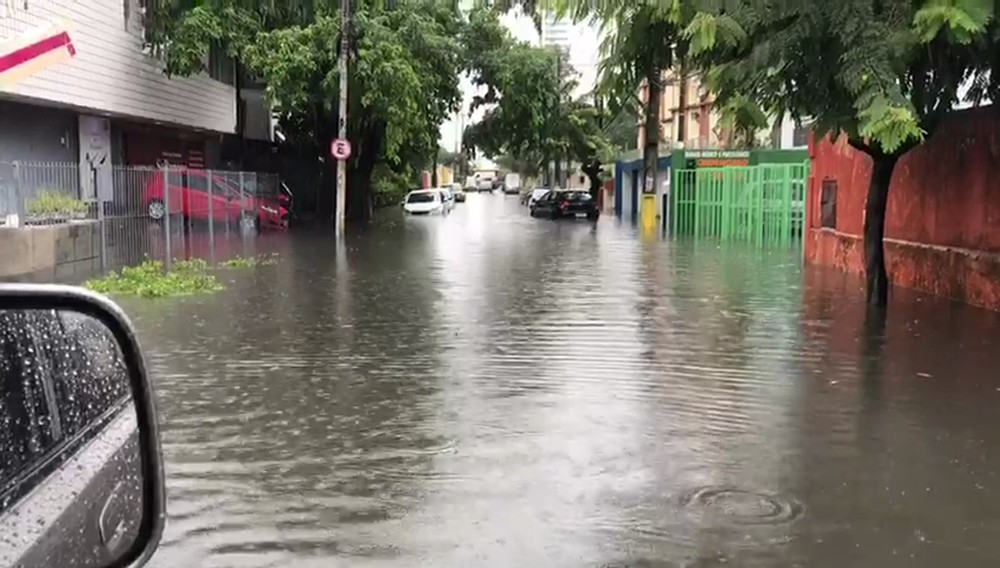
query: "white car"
425, 202
447, 198
536, 194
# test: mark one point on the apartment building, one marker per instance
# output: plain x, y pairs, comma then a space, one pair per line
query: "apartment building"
580, 41
107, 99
702, 128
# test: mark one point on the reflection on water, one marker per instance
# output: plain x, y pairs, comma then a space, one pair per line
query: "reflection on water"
488, 389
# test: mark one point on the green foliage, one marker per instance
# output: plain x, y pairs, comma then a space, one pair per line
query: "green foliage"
150, 280
51, 202
406, 57
390, 187
743, 119
882, 72
532, 117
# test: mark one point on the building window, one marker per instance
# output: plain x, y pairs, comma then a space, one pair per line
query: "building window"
828, 204
800, 136
221, 67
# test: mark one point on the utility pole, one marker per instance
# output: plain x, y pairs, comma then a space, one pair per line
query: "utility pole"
341, 201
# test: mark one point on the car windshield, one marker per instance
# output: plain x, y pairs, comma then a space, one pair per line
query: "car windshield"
421, 197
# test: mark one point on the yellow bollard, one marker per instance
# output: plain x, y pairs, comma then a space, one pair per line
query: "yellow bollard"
647, 214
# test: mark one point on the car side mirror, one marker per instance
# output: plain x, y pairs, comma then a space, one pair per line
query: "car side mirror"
81, 474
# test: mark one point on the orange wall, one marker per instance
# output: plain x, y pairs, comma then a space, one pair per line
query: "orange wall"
943, 216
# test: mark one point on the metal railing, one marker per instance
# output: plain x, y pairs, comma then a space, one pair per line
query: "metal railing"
762, 204
135, 218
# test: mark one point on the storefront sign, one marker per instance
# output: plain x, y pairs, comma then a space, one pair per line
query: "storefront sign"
716, 158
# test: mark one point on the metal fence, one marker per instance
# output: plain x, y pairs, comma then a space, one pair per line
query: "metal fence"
135, 218
762, 204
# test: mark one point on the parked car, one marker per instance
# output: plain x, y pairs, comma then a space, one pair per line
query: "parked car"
447, 199
534, 195
485, 185
189, 196
512, 184
456, 191
424, 202
566, 203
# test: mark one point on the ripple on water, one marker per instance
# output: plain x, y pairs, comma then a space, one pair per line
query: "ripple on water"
742, 506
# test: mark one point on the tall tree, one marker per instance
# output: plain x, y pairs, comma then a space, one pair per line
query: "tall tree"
640, 41
523, 89
882, 73
532, 117
403, 82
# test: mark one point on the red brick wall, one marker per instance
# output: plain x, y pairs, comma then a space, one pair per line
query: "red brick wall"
943, 217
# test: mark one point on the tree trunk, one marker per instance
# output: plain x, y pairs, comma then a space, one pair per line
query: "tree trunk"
876, 278
434, 171
651, 148
324, 126
593, 173
360, 201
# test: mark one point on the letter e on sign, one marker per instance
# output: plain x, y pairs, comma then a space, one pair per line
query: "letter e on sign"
340, 149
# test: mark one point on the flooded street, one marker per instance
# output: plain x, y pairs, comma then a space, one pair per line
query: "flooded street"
488, 389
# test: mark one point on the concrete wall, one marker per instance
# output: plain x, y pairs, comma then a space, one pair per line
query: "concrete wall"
51, 253
943, 216
37, 134
110, 74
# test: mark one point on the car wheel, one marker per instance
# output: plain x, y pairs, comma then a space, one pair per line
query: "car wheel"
156, 210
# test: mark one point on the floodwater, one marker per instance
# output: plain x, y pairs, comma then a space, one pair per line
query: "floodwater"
488, 389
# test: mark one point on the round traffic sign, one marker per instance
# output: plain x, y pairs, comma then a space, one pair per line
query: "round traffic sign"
340, 149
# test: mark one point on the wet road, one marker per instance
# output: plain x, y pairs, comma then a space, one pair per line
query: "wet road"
492, 390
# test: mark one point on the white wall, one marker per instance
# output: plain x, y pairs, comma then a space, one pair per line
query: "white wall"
110, 74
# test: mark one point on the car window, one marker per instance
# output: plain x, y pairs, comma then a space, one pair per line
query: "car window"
85, 348
423, 197
25, 417
579, 196
197, 182
224, 187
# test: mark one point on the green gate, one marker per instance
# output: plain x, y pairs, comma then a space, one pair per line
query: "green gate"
762, 204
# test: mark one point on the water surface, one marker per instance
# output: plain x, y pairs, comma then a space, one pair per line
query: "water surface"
488, 389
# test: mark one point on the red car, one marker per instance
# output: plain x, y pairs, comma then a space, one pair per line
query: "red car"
189, 197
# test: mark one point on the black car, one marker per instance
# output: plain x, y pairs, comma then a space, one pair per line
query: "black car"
566, 203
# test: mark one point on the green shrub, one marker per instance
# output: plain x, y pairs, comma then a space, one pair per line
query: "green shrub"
150, 280
389, 188
51, 202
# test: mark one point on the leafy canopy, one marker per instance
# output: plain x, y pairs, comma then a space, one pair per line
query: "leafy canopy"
403, 83
883, 72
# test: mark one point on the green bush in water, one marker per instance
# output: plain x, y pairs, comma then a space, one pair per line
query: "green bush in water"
150, 280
